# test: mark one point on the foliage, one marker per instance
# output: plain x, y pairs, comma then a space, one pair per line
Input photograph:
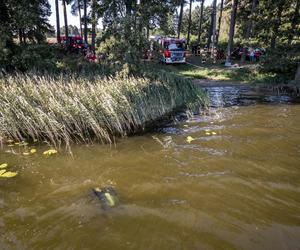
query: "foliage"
44, 58
286, 58
68, 109
72, 29
27, 19
118, 50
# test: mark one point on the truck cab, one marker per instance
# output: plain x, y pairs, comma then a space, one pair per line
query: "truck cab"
172, 50
74, 43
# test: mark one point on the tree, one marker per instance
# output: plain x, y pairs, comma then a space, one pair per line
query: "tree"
249, 28
277, 23
94, 22
29, 19
210, 31
180, 18
6, 36
76, 6
214, 33
294, 22
72, 30
219, 22
200, 22
85, 21
65, 19
190, 22
57, 21
234, 4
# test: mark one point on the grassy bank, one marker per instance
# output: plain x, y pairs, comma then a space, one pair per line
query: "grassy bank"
246, 74
66, 110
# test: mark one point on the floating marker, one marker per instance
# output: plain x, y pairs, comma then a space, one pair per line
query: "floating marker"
189, 139
33, 150
4, 165
50, 152
7, 174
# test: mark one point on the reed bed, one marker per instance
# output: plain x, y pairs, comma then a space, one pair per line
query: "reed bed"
64, 110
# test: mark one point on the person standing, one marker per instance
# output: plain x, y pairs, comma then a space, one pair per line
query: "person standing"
252, 55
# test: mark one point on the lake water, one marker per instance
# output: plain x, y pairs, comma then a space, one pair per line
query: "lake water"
236, 186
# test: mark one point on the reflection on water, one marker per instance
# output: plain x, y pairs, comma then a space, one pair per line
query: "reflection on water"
235, 189
226, 96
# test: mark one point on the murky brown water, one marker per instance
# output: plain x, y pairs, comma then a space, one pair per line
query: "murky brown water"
237, 189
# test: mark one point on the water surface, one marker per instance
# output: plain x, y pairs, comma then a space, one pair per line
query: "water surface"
238, 188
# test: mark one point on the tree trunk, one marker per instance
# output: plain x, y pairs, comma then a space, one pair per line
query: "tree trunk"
24, 36
85, 21
80, 21
57, 21
214, 30
180, 18
147, 31
219, 22
277, 24
94, 22
65, 20
234, 4
210, 31
129, 24
190, 22
249, 29
200, 22
20, 36
294, 23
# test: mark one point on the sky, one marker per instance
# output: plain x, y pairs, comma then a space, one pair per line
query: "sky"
74, 20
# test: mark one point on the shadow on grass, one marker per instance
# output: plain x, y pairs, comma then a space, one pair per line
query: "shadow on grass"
214, 72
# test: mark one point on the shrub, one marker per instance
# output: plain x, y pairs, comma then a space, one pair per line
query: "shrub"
282, 60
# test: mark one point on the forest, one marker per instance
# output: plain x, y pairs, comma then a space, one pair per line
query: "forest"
127, 25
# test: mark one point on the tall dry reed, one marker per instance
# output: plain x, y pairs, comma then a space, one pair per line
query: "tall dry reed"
65, 110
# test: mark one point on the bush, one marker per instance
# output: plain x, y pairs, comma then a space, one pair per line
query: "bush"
282, 60
117, 50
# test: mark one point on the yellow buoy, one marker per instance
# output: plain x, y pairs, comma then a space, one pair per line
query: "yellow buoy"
189, 139
33, 150
4, 165
8, 174
50, 152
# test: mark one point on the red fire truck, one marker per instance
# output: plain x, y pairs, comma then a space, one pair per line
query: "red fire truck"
172, 50
75, 43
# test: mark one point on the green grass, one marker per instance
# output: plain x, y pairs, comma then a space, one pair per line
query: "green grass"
246, 74
66, 109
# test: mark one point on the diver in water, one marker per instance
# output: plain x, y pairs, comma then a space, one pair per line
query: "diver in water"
107, 196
